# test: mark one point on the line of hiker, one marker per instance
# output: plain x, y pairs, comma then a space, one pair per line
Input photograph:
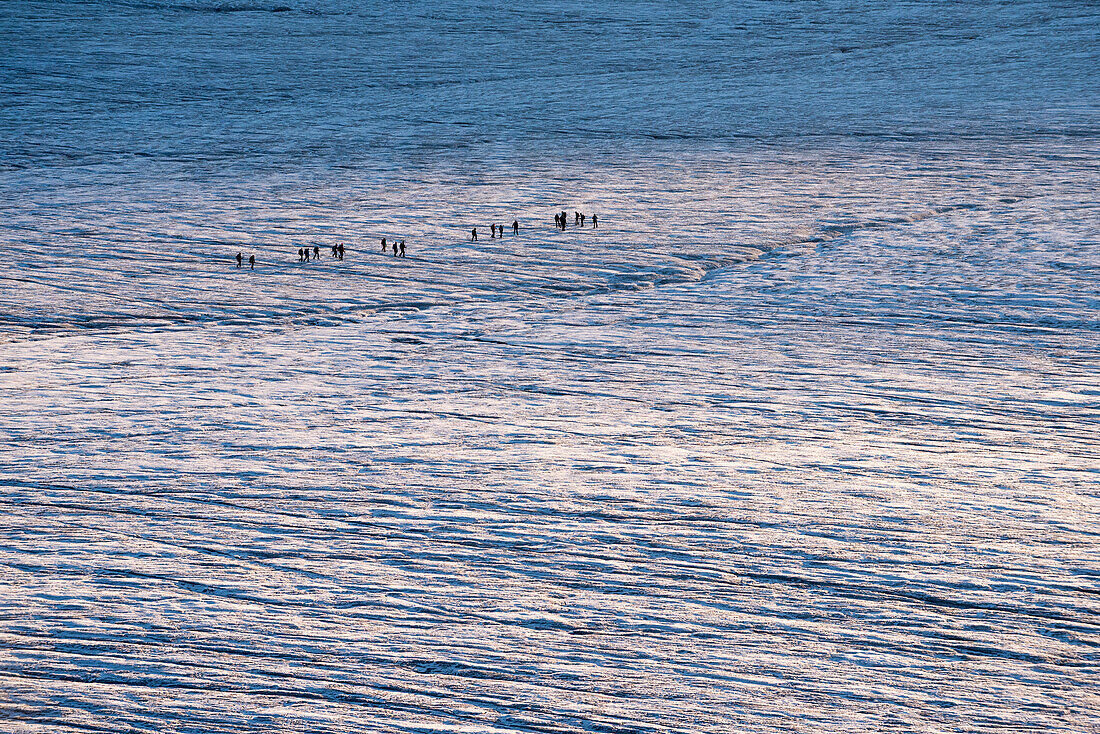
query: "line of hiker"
562, 219
304, 253
495, 231
398, 247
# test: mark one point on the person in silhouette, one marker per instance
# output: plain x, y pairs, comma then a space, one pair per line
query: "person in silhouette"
300, 256
239, 258
515, 226
582, 219
402, 248
564, 219
492, 231
316, 253
334, 250
251, 262
340, 249
383, 245
557, 221
594, 221
473, 235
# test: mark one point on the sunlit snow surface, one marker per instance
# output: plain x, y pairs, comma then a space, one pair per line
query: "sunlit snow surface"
803, 438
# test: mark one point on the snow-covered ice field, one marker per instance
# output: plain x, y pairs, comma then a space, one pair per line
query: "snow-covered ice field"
805, 437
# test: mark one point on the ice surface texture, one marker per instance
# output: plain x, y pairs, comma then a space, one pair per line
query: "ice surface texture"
802, 438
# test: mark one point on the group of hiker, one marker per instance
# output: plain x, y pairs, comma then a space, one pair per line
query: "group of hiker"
303, 253
396, 245
495, 230
562, 219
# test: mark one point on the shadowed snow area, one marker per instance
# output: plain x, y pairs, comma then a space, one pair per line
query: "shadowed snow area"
802, 438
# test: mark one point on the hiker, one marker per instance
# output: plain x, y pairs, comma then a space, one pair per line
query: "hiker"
383, 245
576, 217
594, 221
334, 250
402, 248
557, 221
340, 249
239, 258
515, 226
582, 219
564, 219
251, 262
473, 235
316, 253
300, 256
